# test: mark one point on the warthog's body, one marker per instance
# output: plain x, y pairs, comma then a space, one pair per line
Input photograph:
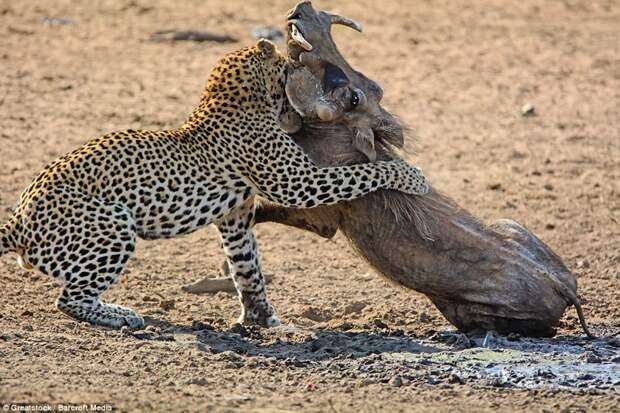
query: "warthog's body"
498, 277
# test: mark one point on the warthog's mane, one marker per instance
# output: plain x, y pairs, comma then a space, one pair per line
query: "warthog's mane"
332, 145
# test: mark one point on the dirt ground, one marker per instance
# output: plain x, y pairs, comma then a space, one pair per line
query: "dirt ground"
458, 72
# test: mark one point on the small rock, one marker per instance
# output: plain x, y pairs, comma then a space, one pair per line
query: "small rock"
550, 226
164, 337
495, 186
198, 382
455, 379
355, 307
583, 264
295, 362
365, 382
27, 313
379, 323
396, 381
346, 326
513, 337
28, 328
528, 110
198, 325
57, 21
239, 398
591, 357
517, 155
432, 380
267, 32
548, 187
316, 314
166, 304
153, 329
614, 342
462, 342
497, 382
424, 318
142, 335
240, 329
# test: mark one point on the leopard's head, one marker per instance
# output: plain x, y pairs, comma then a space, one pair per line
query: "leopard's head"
275, 70
254, 78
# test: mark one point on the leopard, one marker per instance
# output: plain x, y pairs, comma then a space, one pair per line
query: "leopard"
79, 219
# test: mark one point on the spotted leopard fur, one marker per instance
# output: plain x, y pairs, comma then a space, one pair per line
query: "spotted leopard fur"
79, 219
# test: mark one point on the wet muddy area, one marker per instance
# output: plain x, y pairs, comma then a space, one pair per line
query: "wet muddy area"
391, 357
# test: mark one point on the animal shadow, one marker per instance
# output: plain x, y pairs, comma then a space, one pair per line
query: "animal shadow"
300, 344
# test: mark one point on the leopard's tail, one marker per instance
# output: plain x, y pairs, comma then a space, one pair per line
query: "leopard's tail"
7, 243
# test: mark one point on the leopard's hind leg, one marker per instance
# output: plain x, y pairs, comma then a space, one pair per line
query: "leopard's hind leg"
244, 263
85, 243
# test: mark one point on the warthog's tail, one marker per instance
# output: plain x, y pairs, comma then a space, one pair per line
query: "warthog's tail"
582, 319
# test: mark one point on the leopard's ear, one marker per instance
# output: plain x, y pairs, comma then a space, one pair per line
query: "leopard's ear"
267, 48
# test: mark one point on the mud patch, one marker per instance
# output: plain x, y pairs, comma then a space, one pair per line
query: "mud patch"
390, 357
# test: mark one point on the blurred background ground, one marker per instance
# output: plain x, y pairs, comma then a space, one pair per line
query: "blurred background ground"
458, 72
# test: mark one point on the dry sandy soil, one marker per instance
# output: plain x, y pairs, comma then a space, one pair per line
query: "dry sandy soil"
458, 72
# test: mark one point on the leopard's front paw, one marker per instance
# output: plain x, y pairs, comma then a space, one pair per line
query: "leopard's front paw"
263, 316
412, 180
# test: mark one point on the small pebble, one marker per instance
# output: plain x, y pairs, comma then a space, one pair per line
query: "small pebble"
396, 381
198, 325
379, 323
239, 329
591, 357
424, 318
455, 379
142, 334
513, 337
57, 21
198, 382
528, 110
153, 329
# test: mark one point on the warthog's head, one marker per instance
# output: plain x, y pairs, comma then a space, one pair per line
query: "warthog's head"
323, 86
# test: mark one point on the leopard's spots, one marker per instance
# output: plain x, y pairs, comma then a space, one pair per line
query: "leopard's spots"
79, 219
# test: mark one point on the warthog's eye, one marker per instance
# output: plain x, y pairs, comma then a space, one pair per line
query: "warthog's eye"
355, 99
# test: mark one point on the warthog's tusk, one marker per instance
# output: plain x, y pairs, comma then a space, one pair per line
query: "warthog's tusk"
325, 111
299, 38
345, 21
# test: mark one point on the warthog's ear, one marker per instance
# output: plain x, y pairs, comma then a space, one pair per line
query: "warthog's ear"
267, 48
364, 141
